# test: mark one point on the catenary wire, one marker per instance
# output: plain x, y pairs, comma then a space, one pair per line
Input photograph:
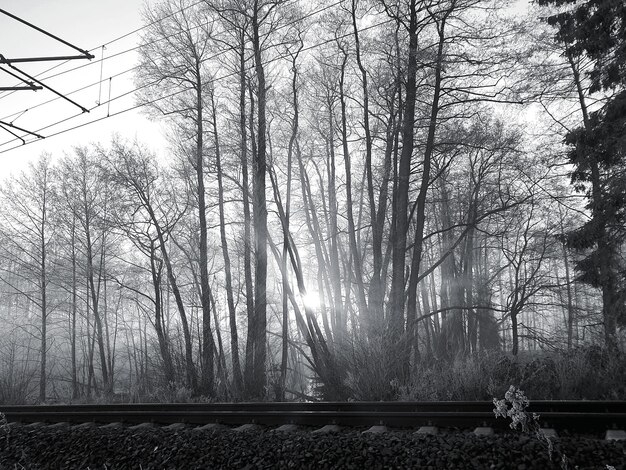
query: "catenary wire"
119, 38
21, 112
217, 79
117, 54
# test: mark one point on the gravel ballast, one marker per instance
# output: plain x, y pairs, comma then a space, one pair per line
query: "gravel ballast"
124, 448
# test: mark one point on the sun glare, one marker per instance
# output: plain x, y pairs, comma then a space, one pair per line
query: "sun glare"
311, 300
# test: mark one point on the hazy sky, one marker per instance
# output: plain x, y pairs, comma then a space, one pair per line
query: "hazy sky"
87, 24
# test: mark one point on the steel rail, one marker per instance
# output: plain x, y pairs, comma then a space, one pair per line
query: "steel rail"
571, 415
607, 406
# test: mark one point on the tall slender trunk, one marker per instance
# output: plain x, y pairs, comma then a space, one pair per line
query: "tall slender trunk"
515, 310
102, 281
219, 350
285, 281
354, 250
232, 313
315, 230
44, 304
515, 333
156, 268
376, 227
260, 219
95, 301
570, 304
207, 360
339, 318
247, 249
420, 212
400, 227
426, 311
377, 289
192, 377
91, 342
468, 282
75, 391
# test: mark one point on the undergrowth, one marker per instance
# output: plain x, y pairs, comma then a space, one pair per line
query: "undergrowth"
579, 374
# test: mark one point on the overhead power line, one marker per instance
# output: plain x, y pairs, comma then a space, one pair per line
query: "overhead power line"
170, 95
134, 48
118, 38
83, 53
31, 83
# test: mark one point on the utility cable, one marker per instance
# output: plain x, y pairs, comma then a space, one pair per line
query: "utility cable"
217, 79
43, 31
119, 38
134, 48
307, 16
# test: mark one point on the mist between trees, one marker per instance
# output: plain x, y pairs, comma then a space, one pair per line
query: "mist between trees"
360, 200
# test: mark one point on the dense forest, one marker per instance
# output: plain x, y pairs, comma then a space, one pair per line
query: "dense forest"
361, 200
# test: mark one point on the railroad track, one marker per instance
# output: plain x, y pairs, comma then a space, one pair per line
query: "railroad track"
574, 416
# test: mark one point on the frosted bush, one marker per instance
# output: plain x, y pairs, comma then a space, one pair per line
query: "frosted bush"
514, 406
517, 411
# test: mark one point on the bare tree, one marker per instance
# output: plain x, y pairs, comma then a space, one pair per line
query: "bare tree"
175, 53
27, 203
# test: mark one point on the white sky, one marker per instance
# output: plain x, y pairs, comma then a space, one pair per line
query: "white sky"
87, 24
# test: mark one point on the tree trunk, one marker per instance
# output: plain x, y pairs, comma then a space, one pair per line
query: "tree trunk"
219, 350
514, 328
354, 250
285, 281
376, 226
377, 288
156, 270
400, 227
207, 363
570, 304
75, 391
247, 249
260, 220
315, 230
95, 301
192, 378
339, 318
44, 306
232, 313
420, 212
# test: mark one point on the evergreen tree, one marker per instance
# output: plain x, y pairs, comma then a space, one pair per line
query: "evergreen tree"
597, 29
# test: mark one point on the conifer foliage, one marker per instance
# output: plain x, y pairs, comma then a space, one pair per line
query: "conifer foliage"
596, 29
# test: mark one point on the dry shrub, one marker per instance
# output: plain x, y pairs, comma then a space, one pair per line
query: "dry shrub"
592, 373
585, 373
18, 377
364, 368
172, 392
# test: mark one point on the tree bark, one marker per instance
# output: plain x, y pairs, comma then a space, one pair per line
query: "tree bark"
354, 250
94, 297
400, 227
285, 282
43, 292
377, 233
420, 212
207, 363
260, 219
247, 249
232, 313
156, 268
75, 390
